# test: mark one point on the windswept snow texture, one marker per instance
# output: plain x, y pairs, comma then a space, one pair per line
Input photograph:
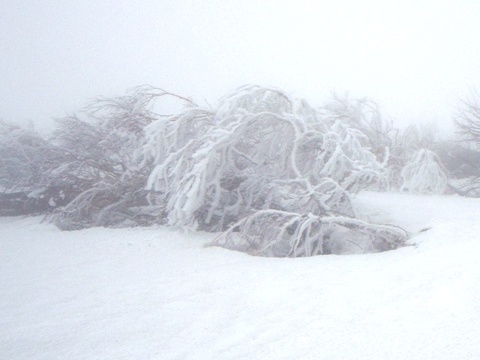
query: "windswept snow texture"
150, 293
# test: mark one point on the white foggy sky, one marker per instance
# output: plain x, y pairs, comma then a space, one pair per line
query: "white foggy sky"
415, 58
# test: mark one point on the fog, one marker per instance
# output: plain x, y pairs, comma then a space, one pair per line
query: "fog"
415, 58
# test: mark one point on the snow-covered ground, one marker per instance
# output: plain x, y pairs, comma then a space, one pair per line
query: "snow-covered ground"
152, 293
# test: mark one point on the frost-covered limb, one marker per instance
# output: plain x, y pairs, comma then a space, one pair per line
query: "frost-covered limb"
469, 187
302, 197
254, 99
348, 160
169, 135
275, 233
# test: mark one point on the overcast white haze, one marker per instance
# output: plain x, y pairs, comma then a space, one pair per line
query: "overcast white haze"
415, 58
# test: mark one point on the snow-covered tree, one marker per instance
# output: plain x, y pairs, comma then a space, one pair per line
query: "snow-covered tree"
260, 152
461, 160
405, 145
424, 174
100, 164
25, 155
26, 158
467, 122
259, 142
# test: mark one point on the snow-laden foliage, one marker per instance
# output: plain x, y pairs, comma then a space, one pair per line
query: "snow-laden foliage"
424, 174
276, 233
261, 149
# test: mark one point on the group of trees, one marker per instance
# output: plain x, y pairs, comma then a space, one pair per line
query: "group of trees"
272, 174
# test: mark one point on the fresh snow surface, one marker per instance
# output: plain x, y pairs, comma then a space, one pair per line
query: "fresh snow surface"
153, 293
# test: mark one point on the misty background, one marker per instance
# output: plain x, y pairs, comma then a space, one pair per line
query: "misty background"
416, 59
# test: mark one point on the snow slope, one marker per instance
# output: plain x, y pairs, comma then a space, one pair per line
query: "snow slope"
151, 293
